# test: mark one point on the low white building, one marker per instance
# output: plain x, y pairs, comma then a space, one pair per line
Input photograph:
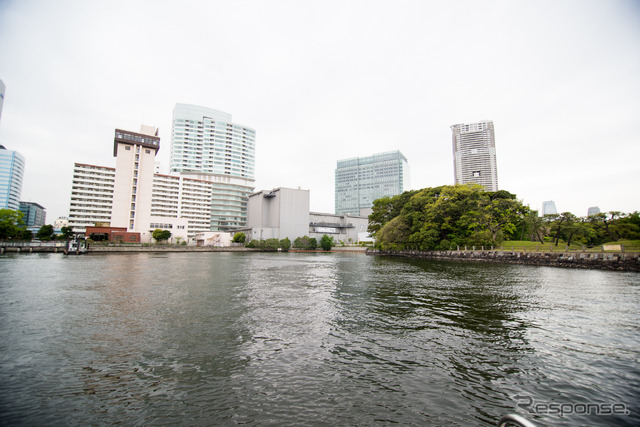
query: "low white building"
278, 213
284, 212
218, 239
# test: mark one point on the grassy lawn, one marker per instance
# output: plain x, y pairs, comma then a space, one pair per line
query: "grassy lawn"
526, 245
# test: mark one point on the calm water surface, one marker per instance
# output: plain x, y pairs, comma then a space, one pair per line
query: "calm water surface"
312, 339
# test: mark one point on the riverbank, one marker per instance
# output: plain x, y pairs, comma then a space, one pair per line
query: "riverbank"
585, 260
56, 247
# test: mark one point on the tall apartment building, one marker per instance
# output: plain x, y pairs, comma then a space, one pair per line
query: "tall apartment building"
181, 197
91, 196
11, 175
361, 180
132, 196
133, 182
35, 215
207, 145
474, 154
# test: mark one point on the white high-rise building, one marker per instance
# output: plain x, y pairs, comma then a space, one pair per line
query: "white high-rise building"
206, 145
474, 154
91, 196
135, 155
181, 197
132, 196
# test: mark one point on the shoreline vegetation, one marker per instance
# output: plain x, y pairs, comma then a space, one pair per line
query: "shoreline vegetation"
458, 216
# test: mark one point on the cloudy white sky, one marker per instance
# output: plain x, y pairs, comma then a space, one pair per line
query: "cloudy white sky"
321, 81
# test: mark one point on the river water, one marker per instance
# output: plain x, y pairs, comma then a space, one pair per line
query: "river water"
313, 339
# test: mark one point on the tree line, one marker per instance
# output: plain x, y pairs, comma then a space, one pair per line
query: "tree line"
305, 242
450, 216
12, 227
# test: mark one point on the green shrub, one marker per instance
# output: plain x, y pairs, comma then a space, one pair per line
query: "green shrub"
285, 244
326, 242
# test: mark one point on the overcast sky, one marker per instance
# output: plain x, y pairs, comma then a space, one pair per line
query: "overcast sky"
322, 81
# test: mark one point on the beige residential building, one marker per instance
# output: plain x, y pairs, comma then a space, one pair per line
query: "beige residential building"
91, 196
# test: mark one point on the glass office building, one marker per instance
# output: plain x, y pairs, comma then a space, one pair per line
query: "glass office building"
207, 145
35, 214
361, 180
11, 175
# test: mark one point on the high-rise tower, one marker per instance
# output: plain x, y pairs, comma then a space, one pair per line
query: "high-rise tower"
11, 175
2, 88
361, 180
207, 145
135, 155
474, 154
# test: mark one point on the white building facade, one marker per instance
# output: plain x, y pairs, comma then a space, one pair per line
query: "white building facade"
284, 213
361, 180
131, 195
474, 154
133, 182
207, 145
91, 196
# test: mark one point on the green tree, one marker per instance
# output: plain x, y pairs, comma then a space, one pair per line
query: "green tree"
285, 244
449, 215
306, 243
161, 235
67, 232
239, 237
270, 245
45, 232
534, 226
394, 234
326, 242
11, 224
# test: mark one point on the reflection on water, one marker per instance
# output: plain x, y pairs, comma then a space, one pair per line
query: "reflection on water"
308, 339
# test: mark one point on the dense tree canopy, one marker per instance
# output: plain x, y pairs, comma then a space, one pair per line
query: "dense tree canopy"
445, 216
161, 235
11, 224
46, 232
464, 215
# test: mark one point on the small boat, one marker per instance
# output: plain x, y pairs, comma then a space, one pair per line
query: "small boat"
77, 246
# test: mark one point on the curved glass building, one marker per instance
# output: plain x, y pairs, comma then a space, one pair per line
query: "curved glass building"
207, 145
11, 175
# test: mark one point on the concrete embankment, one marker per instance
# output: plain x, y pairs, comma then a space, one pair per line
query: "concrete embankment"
168, 248
591, 260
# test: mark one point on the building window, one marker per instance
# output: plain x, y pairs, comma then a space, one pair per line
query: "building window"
127, 148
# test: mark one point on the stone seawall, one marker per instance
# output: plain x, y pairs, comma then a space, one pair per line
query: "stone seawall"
601, 261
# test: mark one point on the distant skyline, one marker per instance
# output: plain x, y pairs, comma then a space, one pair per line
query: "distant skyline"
324, 81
